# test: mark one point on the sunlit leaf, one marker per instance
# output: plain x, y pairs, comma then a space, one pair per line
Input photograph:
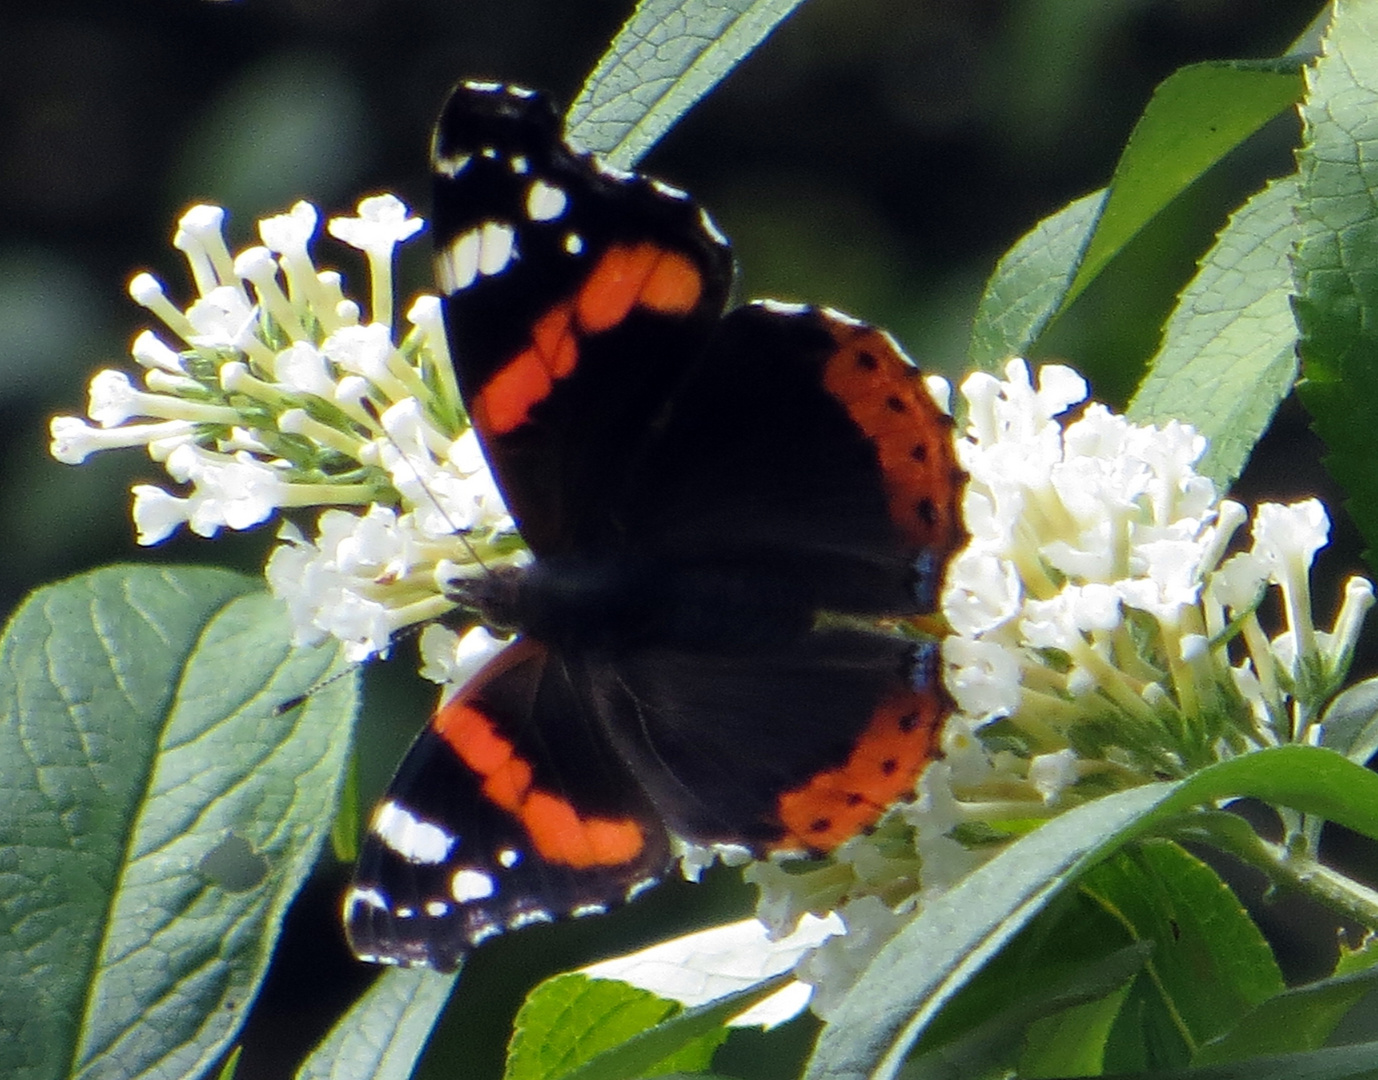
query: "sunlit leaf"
668, 55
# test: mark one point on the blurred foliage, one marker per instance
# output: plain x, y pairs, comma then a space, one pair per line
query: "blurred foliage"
877, 155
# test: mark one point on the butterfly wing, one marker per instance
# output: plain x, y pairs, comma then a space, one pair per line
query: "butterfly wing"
511, 808
794, 749
575, 296
806, 443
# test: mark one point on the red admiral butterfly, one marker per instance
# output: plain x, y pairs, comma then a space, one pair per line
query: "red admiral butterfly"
723, 508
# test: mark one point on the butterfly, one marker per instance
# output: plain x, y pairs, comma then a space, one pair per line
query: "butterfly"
729, 513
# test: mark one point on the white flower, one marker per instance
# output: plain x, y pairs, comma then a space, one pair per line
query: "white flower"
1288, 537
983, 676
74, 440
1051, 773
235, 491
158, 514
301, 367
382, 224
453, 659
982, 591
290, 233
834, 966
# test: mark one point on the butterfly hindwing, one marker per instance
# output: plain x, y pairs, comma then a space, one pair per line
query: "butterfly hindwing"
509, 809
812, 742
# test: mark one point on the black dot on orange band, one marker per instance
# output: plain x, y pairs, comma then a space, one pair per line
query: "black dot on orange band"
928, 513
820, 825
919, 452
908, 722
867, 361
854, 799
888, 766
894, 403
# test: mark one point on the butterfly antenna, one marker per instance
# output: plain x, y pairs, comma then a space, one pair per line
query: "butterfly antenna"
349, 669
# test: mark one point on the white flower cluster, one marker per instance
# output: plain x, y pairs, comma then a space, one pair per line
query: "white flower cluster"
1095, 608
278, 395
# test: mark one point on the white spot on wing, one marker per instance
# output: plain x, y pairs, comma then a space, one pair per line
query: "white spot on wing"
416, 840
495, 247
518, 164
574, 243
489, 152
584, 910
529, 918
779, 307
669, 190
453, 165
480, 934
638, 887
482, 87
436, 908
711, 228
457, 266
612, 172
468, 885
484, 250
848, 320
509, 857
545, 202
370, 898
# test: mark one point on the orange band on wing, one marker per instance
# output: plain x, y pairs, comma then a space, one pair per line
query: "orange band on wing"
503, 404
641, 275
673, 286
886, 398
559, 834
884, 765
557, 831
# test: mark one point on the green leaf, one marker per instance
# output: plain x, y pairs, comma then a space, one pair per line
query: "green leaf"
1364, 958
997, 1041
1196, 116
1349, 724
158, 814
1210, 965
919, 971
1068, 938
1358, 1061
1228, 356
1336, 262
231, 1065
1073, 1042
383, 1034
684, 1039
1143, 1037
570, 1019
667, 56
1298, 1019
344, 830
1030, 283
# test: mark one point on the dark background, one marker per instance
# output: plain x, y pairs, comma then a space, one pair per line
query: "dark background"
876, 155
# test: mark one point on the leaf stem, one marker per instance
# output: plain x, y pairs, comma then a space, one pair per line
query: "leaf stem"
1282, 866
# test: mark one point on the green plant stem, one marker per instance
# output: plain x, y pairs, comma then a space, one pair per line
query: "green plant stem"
1234, 835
